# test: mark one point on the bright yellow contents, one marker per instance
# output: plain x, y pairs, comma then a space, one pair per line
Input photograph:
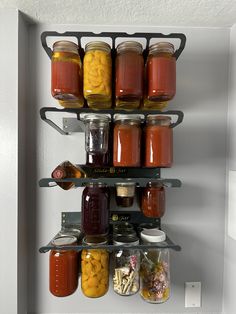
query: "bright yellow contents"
97, 78
95, 272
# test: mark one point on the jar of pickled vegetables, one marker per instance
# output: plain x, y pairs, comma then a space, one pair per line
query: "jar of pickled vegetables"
63, 267
126, 266
94, 268
158, 141
129, 75
127, 141
160, 75
98, 75
153, 200
154, 268
66, 74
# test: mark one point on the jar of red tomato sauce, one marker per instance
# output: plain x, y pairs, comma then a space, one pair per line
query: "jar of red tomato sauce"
129, 74
160, 75
127, 141
158, 141
66, 74
153, 200
63, 267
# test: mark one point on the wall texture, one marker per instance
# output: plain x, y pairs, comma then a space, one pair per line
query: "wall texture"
195, 212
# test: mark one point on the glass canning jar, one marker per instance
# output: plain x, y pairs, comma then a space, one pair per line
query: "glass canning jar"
94, 268
154, 268
126, 266
129, 75
66, 74
126, 141
98, 75
95, 209
63, 267
153, 200
125, 192
158, 141
160, 75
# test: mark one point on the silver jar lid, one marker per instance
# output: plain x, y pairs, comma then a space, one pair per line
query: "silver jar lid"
65, 46
162, 47
64, 240
127, 240
127, 117
97, 118
98, 45
130, 45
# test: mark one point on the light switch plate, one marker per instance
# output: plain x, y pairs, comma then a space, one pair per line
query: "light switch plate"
192, 294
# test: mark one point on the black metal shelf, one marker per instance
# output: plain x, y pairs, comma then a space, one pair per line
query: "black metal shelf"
142, 182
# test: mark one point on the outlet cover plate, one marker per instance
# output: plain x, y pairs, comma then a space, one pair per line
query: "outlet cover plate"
192, 294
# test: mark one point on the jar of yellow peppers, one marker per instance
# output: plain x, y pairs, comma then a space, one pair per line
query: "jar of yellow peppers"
98, 75
94, 268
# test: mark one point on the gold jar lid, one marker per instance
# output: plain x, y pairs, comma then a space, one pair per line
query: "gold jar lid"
98, 45
65, 46
130, 46
162, 47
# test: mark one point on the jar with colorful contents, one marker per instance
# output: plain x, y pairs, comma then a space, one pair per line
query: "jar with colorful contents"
66, 74
94, 268
63, 267
125, 192
153, 200
98, 75
95, 209
158, 141
129, 75
160, 75
127, 141
154, 269
126, 266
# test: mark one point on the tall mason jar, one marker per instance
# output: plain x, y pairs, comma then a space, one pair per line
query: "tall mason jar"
129, 75
160, 75
66, 74
95, 209
94, 268
98, 75
126, 266
154, 268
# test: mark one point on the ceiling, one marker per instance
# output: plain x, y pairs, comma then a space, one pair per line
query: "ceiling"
203, 13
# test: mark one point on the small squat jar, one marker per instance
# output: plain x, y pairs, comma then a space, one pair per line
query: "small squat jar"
158, 141
66, 74
126, 266
63, 268
153, 200
127, 141
160, 75
154, 269
125, 192
97, 75
94, 268
129, 75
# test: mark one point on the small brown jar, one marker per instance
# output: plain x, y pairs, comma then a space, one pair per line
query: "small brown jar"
125, 192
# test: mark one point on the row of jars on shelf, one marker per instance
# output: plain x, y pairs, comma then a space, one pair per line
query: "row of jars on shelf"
155, 82
133, 269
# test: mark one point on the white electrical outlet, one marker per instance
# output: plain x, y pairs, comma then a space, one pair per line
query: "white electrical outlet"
192, 294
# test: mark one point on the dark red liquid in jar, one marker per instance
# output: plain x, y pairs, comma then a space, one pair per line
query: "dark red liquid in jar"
161, 77
63, 272
95, 210
97, 160
153, 201
129, 76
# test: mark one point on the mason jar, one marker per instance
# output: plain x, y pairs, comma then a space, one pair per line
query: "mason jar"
125, 192
66, 74
153, 200
94, 268
160, 75
154, 268
126, 266
129, 75
63, 267
98, 75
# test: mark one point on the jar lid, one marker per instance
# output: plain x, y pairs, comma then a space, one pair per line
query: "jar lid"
64, 240
66, 46
96, 117
97, 45
153, 235
128, 240
130, 45
95, 240
123, 117
97, 184
158, 119
162, 47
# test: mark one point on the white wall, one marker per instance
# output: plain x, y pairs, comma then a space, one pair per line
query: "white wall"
195, 213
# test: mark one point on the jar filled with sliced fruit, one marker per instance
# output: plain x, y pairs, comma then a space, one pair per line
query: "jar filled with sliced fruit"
94, 268
154, 269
